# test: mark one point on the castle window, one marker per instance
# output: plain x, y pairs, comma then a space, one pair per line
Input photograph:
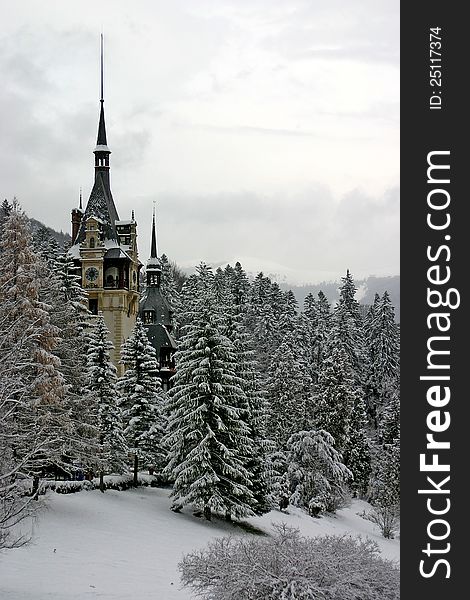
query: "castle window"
93, 306
149, 317
111, 277
92, 242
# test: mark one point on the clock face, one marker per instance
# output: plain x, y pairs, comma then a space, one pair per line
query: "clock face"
91, 274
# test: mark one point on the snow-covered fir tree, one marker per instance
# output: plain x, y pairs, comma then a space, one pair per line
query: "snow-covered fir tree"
339, 403
46, 245
208, 439
385, 480
389, 424
289, 392
33, 421
141, 400
357, 453
347, 326
287, 321
336, 394
239, 285
316, 474
70, 315
101, 390
261, 319
247, 371
382, 347
170, 288
316, 320
347, 298
5, 210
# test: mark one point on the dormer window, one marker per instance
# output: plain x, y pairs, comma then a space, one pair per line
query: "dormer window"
149, 317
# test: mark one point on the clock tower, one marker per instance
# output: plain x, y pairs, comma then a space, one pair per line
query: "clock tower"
106, 249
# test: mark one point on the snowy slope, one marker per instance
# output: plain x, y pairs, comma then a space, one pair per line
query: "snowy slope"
126, 545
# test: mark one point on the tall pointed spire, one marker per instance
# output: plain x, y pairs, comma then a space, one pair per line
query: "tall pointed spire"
101, 140
154, 268
102, 70
101, 203
153, 249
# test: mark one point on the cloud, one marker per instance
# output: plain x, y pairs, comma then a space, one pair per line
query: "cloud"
305, 234
263, 129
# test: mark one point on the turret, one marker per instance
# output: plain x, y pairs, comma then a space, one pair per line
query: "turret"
154, 267
77, 214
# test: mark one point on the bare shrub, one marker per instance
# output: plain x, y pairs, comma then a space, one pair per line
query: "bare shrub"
288, 566
387, 518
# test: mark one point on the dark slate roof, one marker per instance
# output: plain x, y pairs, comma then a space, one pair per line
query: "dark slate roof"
159, 336
101, 205
153, 299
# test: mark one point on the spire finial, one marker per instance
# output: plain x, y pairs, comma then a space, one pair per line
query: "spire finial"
102, 70
80, 205
153, 249
101, 140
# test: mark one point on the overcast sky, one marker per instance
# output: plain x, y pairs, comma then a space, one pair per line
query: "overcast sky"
266, 130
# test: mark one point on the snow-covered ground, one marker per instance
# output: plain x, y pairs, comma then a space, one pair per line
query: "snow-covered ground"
126, 545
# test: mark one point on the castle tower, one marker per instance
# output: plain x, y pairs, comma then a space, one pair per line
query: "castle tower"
106, 249
156, 314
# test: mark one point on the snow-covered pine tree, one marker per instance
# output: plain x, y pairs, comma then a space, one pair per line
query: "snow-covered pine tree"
357, 453
287, 321
383, 356
254, 411
385, 480
317, 325
187, 300
240, 286
207, 438
261, 319
369, 320
32, 415
101, 389
344, 334
389, 424
347, 297
348, 326
289, 391
385, 483
340, 410
20, 283
141, 400
70, 315
46, 246
336, 395
170, 287
385, 487
315, 472
5, 210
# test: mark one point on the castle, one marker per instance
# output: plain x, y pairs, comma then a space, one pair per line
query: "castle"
105, 248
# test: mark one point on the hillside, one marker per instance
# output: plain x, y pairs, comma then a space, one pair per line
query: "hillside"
126, 545
60, 237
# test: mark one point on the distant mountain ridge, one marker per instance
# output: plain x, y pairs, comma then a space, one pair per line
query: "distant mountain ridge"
367, 288
60, 237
